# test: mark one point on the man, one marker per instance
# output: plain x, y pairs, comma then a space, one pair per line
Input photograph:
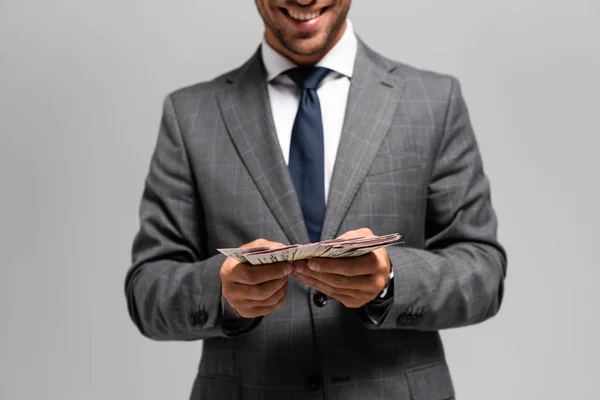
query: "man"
316, 137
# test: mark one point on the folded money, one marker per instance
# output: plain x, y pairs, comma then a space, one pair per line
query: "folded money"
334, 248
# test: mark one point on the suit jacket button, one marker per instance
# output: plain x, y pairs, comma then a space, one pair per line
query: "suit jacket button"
198, 317
314, 382
402, 320
319, 299
202, 317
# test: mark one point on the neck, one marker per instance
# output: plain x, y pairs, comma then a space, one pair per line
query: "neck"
300, 59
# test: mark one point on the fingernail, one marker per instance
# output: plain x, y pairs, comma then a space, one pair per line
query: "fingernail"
313, 265
288, 269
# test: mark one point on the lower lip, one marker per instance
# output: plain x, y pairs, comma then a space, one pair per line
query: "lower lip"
309, 25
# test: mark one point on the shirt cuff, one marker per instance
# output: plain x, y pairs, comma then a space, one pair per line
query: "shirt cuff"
376, 310
233, 324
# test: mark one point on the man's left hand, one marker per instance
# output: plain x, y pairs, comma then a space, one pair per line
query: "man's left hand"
352, 281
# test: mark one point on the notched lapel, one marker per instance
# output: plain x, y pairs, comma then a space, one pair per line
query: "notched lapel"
373, 99
247, 114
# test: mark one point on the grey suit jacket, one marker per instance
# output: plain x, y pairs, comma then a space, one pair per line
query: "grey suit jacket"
408, 162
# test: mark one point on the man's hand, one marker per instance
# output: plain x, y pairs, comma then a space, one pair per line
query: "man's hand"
352, 281
254, 291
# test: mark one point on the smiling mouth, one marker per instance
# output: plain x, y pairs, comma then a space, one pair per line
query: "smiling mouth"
303, 16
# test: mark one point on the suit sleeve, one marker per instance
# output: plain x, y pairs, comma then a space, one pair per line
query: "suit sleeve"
173, 287
457, 278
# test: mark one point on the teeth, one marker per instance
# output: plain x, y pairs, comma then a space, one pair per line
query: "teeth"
304, 16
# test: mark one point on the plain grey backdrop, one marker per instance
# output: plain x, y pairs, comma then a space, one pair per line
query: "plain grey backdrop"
81, 90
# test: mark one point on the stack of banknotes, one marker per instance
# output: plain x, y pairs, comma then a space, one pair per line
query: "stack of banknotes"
335, 248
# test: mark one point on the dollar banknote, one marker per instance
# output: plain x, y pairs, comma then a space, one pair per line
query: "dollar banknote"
334, 248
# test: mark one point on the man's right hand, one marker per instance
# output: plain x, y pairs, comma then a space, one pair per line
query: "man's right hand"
254, 291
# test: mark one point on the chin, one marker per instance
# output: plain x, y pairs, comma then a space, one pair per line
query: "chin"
310, 51
307, 47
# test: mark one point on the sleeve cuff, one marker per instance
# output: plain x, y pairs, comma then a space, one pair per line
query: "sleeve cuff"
233, 324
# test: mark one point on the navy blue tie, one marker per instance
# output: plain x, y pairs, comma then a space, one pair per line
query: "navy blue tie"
307, 156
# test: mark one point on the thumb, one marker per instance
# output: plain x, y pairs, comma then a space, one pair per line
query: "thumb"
356, 233
349, 235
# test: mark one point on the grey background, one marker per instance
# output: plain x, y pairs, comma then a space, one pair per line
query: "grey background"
81, 89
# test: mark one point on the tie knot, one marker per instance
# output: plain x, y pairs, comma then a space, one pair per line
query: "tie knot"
307, 78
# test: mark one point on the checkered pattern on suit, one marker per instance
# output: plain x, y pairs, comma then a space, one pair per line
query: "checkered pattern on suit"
408, 162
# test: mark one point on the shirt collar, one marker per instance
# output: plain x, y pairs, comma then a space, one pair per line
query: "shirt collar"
339, 59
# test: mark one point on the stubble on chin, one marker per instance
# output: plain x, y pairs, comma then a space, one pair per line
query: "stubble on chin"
298, 49
311, 46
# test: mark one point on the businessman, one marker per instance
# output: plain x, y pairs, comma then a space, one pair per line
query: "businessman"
316, 136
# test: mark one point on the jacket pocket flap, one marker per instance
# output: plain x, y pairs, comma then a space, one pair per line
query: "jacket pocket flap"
432, 382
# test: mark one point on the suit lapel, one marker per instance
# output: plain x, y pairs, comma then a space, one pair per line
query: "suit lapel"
372, 101
247, 114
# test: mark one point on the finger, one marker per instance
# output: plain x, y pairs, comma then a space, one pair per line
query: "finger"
350, 299
356, 233
363, 265
349, 235
334, 280
259, 311
263, 242
350, 302
329, 290
365, 232
241, 292
272, 300
255, 275
364, 283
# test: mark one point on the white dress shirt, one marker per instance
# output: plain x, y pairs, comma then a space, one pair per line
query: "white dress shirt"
333, 95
